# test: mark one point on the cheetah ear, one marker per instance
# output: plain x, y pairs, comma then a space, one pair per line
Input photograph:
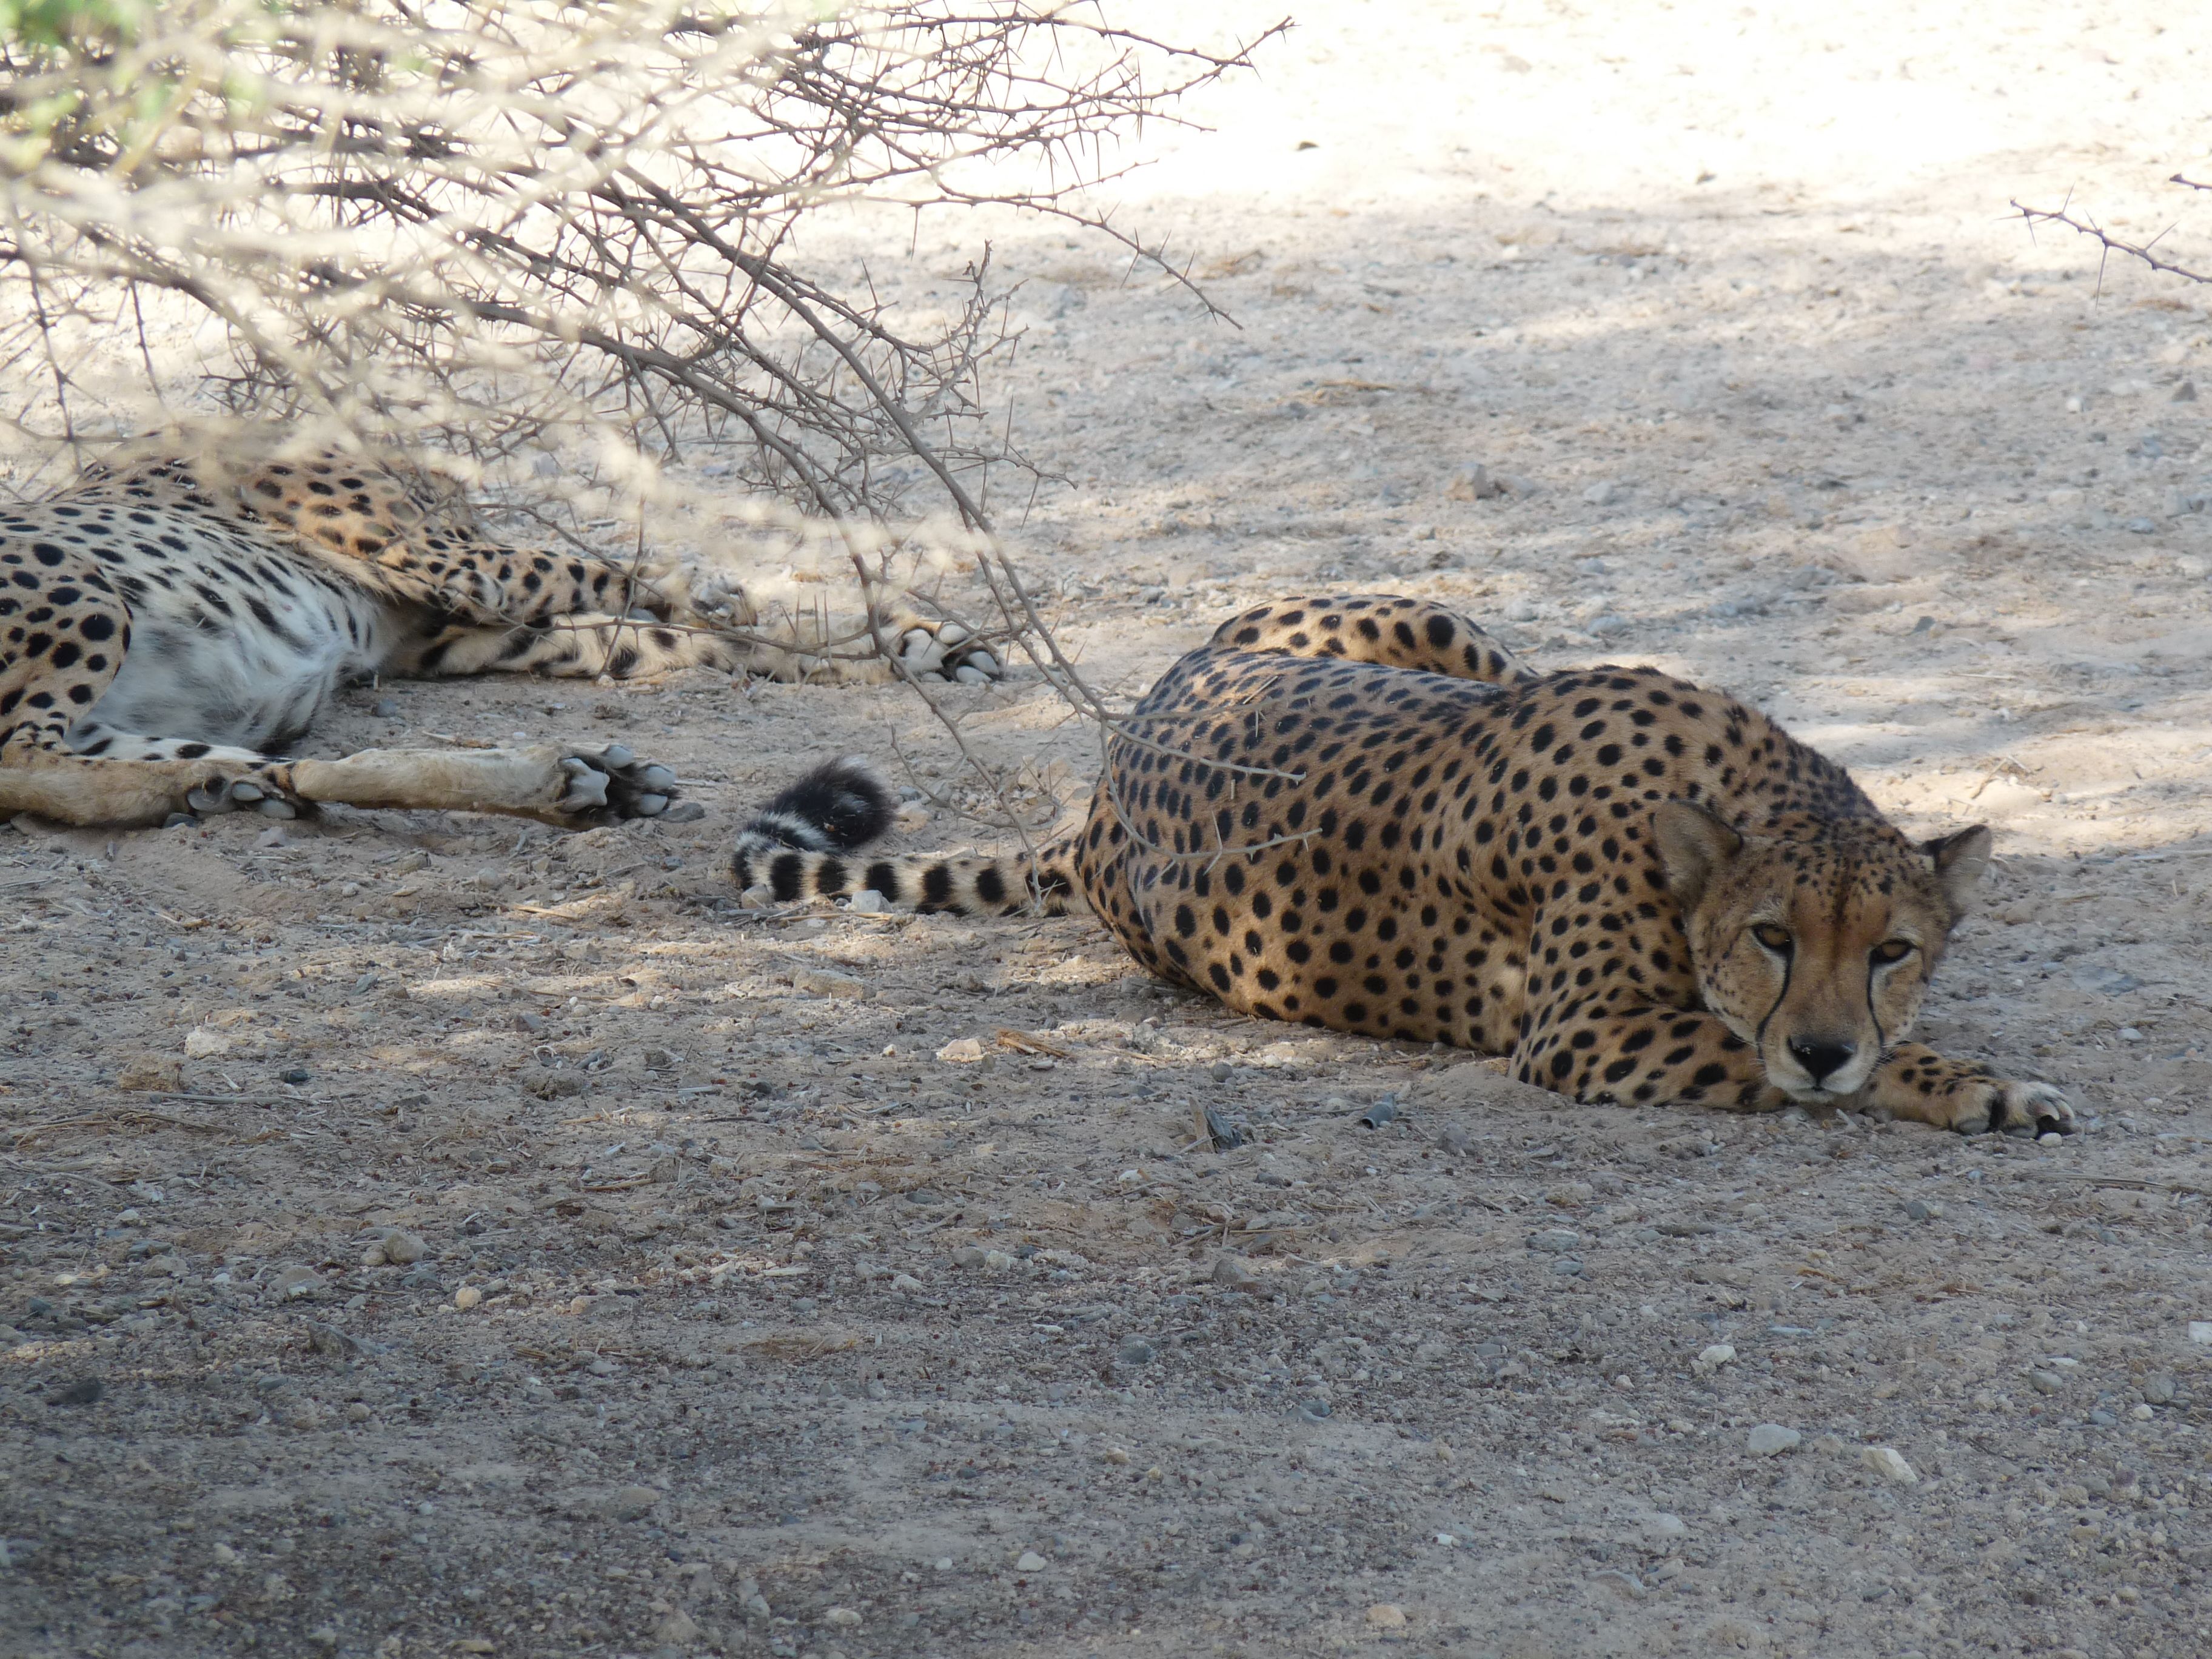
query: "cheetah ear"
1960, 860
1694, 846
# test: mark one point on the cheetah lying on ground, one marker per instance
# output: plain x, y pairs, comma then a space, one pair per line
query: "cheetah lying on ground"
1365, 813
168, 624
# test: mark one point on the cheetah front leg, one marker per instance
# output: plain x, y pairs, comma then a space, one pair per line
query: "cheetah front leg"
1642, 1056
1918, 1085
158, 781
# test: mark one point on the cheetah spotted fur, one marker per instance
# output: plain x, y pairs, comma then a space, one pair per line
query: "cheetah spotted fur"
1363, 813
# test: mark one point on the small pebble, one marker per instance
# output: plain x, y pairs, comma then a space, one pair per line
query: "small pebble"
997, 1261
2051, 1138
843, 1618
401, 1247
2158, 1388
907, 1284
1232, 1272
969, 1256
1221, 1071
868, 902
1316, 1411
2200, 1330
1556, 1241
1387, 1615
386, 709
2045, 1383
1712, 1358
629, 1503
295, 1281
1137, 1352
676, 1628
1887, 1462
358, 1412
467, 1298
1772, 1440
1920, 1209
2141, 1412
1031, 1562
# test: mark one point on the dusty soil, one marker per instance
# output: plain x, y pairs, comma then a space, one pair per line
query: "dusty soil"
744, 1323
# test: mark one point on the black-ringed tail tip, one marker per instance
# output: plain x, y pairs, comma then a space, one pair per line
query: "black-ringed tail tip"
797, 847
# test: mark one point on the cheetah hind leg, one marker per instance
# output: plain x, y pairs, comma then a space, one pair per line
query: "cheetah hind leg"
1387, 628
569, 788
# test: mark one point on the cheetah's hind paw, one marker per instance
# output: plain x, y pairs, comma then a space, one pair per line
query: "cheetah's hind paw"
612, 783
946, 650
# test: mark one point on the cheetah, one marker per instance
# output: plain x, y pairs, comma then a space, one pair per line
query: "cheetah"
1365, 813
172, 623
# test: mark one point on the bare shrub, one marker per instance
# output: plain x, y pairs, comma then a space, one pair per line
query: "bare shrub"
501, 230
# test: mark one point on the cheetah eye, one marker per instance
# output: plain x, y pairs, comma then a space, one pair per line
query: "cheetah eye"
1773, 938
1893, 949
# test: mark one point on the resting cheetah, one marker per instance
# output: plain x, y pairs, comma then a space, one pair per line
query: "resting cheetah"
177, 617
1365, 813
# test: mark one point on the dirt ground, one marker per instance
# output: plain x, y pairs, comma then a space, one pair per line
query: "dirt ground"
424, 1236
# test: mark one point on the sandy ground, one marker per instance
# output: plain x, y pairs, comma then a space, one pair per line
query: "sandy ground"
511, 1246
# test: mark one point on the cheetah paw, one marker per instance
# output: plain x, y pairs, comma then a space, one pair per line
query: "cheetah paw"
612, 783
1980, 1105
218, 795
947, 650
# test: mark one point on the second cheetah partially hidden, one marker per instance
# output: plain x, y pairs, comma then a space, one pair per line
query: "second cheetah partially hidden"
1365, 813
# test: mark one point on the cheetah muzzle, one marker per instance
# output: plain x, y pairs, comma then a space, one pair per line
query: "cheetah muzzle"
1363, 813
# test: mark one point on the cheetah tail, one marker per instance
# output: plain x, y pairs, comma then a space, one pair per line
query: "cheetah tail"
795, 847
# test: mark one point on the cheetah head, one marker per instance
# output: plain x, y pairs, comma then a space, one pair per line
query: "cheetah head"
1815, 945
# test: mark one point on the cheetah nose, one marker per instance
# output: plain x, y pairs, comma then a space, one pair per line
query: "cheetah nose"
1818, 1058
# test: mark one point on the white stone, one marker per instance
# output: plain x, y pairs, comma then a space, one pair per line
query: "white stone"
1720, 1354
1887, 1462
1031, 1562
200, 1043
962, 1051
1772, 1440
843, 1618
821, 983
869, 903
2200, 1330
467, 1298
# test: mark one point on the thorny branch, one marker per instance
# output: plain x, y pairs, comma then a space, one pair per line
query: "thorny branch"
560, 242
2112, 244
